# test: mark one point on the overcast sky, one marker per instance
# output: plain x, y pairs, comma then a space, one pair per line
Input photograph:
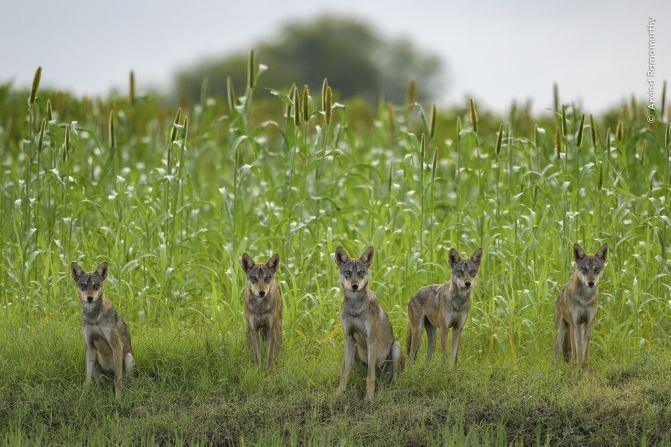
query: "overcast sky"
596, 51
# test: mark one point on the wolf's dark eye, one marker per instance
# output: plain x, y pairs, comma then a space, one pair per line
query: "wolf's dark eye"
460, 272
253, 278
361, 272
472, 271
267, 278
596, 269
82, 286
96, 286
585, 270
348, 272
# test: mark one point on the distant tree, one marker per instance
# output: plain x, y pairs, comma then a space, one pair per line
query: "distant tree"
355, 58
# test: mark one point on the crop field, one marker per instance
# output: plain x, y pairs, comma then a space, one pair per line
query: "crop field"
172, 195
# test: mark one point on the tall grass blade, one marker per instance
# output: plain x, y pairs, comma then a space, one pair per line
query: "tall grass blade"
564, 125
499, 140
432, 121
175, 125
559, 142
231, 97
131, 87
50, 112
251, 70
555, 97
619, 131
581, 128
328, 105
305, 104
325, 84
297, 107
112, 130
593, 131
474, 114
35, 87
412, 93
662, 107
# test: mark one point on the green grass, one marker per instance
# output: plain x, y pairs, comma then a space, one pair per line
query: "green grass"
200, 387
172, 205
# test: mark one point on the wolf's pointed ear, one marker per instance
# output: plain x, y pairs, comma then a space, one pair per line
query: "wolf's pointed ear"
247, 262
453, 257
367, 256
602, 253
477, 256
273, 263
76, 271
578, 252
340, 256
102, 270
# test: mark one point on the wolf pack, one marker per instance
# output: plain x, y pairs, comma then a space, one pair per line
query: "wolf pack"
368, 334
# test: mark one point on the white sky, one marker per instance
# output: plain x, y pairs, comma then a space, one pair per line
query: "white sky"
494, 50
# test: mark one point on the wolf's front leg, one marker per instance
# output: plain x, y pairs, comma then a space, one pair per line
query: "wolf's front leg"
576, 344
443, 342
90, 365
447, 320
456, 337
370, 381
350, 352
431, 340
254, 342
273, 345
586, 337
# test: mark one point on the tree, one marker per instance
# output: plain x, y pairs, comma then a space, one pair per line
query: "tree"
354, 57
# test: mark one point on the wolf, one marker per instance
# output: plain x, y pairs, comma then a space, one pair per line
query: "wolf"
369, 336
107, 339
443, 306
576, 306
263, 307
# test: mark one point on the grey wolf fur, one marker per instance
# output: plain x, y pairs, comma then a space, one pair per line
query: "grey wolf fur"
443, 306
107, 339
263, 307
576, 306
369, 336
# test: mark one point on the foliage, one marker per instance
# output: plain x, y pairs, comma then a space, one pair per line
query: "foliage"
171, 200
349, 52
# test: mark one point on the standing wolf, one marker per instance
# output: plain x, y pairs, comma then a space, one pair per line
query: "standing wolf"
263, 307
108, 347
369, 336
576, 306
443, 306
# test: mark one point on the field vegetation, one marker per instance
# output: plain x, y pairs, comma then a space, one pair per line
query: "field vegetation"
171, 198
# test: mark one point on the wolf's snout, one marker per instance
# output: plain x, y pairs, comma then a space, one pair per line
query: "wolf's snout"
467, 284
355, 286
89, 299
590, 283
262, 293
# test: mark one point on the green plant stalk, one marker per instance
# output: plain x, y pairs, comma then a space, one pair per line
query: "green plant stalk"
456, 179
432, 208
422, 155
320, 166
497, 152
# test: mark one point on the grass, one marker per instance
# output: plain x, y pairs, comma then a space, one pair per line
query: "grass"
201, 387
172, 202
